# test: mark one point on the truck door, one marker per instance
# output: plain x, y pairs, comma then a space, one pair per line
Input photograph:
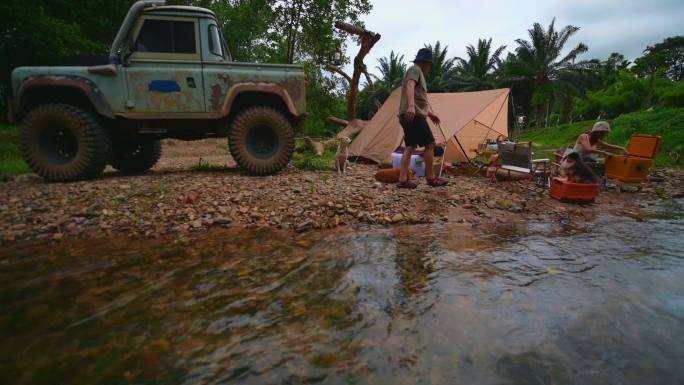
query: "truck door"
165, 71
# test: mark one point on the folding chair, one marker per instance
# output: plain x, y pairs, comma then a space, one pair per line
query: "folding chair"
517, 157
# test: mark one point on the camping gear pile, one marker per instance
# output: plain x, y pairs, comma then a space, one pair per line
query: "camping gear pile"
479, 121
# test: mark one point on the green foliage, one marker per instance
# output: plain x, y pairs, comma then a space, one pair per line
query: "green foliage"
442, 72
671, 96
666, 59
42, 32
629, 93
10, 158
309, 161
478, 72
323, 100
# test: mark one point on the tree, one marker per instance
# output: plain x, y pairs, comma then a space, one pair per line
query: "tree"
307, 26
665, 59
441, 75
392, 70
539, 61
478, 71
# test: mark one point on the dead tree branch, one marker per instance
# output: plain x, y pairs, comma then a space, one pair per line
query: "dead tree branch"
338, 70
368, 40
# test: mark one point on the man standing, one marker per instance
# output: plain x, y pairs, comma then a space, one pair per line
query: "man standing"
413, 114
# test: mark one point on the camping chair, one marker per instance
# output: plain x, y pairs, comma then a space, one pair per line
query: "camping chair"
516, 158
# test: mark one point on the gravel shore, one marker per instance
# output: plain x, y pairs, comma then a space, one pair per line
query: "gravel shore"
174, 200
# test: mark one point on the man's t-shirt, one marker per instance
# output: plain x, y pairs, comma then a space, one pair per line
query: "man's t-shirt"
420, 94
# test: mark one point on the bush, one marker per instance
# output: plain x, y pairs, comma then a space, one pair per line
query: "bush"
673, 96
10, 158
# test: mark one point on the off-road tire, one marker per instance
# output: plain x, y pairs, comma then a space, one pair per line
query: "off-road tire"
63, 143
261, 140
136, 157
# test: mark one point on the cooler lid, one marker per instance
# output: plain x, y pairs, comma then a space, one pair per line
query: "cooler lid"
644, 146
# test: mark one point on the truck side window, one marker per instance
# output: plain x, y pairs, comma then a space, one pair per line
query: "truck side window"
215, 45
165, 36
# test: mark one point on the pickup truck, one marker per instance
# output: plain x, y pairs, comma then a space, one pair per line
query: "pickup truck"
168, 75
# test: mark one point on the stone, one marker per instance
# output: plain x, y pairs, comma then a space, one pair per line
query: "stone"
304, 226
397, 218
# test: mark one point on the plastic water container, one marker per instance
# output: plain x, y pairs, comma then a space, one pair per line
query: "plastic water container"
417, 163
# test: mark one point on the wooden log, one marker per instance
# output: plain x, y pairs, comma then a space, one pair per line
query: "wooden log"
316, 147
352, 129
339, 121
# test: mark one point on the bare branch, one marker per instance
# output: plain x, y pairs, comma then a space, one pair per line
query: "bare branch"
338, 70
339, 121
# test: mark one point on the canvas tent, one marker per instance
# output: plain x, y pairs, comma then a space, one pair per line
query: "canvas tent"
468, 118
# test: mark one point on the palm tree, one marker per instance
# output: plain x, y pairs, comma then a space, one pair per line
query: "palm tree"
441, 75
392, 70
478, 72
539, 61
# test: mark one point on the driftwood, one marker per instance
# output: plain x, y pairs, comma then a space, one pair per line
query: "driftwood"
338, 121
352, 129
316, 147
368, 40
339, 71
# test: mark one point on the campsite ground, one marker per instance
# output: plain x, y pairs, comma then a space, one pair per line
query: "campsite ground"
183, 195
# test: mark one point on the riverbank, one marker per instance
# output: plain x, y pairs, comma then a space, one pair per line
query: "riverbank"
179, 199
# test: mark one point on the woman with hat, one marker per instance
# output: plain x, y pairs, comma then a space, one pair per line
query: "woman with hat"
587, 145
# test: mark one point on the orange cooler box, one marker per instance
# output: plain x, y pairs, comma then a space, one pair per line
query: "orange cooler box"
563, 190
635, 167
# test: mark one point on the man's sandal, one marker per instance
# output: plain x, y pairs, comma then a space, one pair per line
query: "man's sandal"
407, 184
436, 182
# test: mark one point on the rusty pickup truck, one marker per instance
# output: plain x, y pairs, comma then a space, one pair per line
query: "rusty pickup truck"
168, 75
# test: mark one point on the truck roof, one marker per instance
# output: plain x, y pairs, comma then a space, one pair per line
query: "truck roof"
179, 9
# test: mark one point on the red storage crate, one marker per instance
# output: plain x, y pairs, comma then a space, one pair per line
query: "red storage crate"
563, 190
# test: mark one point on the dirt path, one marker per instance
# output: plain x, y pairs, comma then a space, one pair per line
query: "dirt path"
175, 199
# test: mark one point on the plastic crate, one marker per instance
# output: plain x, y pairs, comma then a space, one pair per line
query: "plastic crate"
566, 191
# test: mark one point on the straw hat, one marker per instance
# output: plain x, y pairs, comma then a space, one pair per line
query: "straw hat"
601, 127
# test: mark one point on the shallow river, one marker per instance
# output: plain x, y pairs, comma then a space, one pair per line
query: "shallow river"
437, 304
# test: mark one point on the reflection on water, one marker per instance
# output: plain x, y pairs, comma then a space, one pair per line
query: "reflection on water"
597, 304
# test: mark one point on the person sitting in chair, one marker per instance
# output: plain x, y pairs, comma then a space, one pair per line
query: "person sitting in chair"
587, 145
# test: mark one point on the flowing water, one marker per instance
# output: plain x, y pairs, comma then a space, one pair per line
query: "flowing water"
601, 303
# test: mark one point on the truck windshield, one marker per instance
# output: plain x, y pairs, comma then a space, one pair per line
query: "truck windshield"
216, 43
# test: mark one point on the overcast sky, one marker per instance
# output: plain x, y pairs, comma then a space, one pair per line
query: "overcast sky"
625, 26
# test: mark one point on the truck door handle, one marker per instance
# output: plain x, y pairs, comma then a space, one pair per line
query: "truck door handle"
190, 82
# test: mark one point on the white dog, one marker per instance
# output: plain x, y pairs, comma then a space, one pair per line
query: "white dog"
341, 156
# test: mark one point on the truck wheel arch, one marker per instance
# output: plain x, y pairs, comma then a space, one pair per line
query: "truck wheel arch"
48, 89
248, 93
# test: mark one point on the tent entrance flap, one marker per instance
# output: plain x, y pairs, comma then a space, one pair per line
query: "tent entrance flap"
468, 118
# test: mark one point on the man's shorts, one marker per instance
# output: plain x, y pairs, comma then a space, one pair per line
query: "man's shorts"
416, 133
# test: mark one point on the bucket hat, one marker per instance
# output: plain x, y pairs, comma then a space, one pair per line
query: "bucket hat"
601, 127
424, 55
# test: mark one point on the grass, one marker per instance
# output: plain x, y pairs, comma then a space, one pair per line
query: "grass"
10, 158
206, 166
308, 161
668, 123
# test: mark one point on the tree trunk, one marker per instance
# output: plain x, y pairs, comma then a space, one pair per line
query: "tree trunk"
368, 40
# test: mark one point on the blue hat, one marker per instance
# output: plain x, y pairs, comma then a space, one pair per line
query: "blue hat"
424, 55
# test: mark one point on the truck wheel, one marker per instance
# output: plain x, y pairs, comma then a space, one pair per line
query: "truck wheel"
137, 156
63, 143
261, 140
